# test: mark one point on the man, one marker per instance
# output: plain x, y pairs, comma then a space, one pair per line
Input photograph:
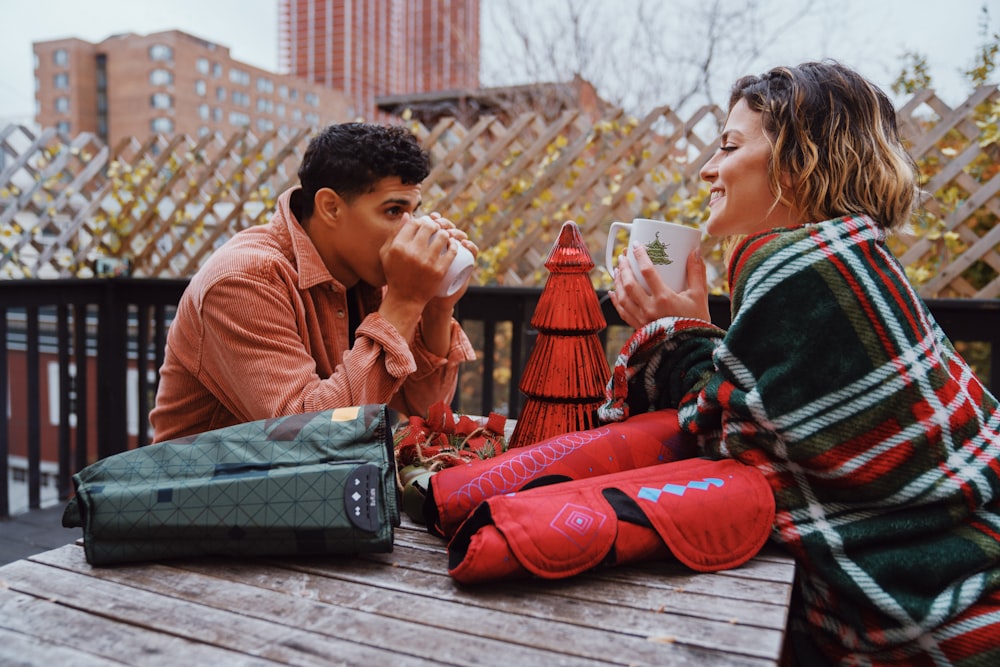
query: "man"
330, 304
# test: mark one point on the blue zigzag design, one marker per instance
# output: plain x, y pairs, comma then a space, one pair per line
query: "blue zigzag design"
647, 493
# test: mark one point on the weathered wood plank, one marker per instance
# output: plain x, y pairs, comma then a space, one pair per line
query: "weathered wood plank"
427, 609
229, 628
354, 612
548, 600
521, 618
397, 608
770, 567
19, 649
53, 631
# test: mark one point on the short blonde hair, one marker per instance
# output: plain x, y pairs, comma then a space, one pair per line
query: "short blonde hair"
836, 148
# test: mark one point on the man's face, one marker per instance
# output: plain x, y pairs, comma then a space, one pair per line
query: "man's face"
364, 226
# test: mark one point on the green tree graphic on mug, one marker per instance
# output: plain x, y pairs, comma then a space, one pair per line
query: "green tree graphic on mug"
657, 251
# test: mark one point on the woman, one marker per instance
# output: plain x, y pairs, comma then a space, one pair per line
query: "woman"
880, 444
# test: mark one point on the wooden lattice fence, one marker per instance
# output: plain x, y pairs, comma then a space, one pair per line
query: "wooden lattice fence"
165, 203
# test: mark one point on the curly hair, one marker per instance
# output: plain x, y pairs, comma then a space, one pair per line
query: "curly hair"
835, 146
350, 158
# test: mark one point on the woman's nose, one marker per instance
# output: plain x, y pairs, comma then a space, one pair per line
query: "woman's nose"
709, 170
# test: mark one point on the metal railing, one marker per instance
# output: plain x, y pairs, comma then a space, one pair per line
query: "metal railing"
83, 356
73, 342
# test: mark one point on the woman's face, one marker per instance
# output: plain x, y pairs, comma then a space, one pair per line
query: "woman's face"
741, 199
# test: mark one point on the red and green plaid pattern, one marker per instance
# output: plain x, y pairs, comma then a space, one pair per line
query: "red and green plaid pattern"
880, 444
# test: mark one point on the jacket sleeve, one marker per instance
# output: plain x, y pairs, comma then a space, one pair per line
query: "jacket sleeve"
255, 361
666, 364
435, 378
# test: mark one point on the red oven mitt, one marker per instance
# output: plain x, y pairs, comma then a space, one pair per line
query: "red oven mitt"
642, 440
710, 515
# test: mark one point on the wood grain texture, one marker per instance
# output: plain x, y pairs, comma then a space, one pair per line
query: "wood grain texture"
399, 608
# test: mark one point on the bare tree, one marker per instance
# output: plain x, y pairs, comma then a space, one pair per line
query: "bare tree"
638, 53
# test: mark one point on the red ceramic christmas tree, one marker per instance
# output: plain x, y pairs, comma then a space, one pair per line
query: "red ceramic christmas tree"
567, 371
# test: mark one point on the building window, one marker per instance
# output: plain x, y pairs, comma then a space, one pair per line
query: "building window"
312, 99
265, 85
241, 98
203, 66
161, 77
239, 76
280, 110
220, 93
62, 104
204, 131
161, 52
101, 62
293, 94
200, 88
265, 105
162, 125
217, 114
204, 112
216, 70
162, 101
62, 81
62, 127
238, 119
60, 58
265, 124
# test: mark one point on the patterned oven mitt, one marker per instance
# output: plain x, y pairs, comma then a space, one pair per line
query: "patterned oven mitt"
711, 515
643, 440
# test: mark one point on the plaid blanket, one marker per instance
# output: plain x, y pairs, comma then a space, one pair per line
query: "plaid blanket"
880, 444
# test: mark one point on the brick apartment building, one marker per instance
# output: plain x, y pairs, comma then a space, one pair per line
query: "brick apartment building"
374, 48
168, 82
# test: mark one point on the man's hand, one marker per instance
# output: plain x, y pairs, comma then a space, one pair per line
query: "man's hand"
415, 261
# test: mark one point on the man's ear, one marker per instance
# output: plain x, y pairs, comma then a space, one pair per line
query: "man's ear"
327, 206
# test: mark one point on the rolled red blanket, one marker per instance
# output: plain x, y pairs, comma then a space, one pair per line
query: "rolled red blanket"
642, 440
710, 515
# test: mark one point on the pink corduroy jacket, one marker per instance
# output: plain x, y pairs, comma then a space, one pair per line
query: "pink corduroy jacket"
262, 332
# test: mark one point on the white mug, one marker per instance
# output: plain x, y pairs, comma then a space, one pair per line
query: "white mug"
458, 272
667, 244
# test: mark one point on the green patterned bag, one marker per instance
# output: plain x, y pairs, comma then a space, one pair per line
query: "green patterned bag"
314, 483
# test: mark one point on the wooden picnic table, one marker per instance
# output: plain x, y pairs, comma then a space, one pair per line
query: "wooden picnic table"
399, 608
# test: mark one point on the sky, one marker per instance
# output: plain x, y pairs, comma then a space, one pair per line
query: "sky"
866, 34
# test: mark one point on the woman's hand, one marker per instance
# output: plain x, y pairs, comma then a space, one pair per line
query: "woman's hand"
638, 307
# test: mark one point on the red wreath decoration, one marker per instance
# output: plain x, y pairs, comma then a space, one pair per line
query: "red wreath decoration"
424, 446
